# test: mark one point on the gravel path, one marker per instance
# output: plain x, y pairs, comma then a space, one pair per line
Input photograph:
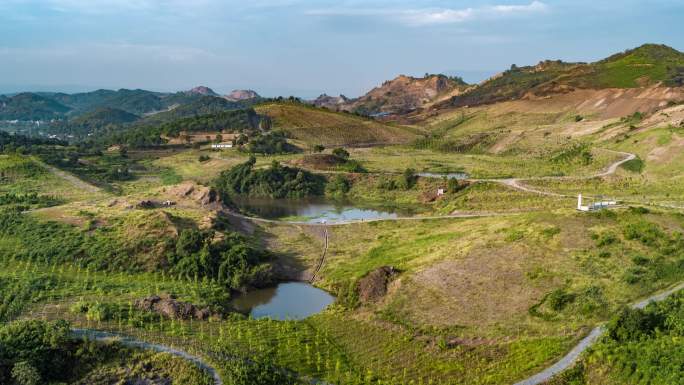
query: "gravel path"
569, 359
79, 183
95, 335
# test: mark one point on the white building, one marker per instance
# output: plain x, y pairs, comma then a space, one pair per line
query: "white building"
221, 145
595, 205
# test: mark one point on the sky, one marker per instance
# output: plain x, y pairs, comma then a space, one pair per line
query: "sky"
307, 47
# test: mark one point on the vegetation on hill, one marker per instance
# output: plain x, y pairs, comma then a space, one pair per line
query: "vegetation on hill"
313, 125
40, 352
276, 181
646, 65
150, 135
512, 84
229, 260
30, 106
93, 122
641, 346
197, 106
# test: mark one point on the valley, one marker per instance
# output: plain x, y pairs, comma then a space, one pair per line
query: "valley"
430, 226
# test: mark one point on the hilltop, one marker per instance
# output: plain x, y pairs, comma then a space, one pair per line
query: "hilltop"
238, 95
649, 65
400, 95
314, 125
29, 106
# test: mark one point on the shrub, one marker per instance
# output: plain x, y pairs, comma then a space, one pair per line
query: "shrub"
635, 165
337, 185
409, 178
455, 185
203, 158
341, 153
633, 324
559, 298
24, 373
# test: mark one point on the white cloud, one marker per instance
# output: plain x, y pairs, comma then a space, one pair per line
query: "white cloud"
432, 16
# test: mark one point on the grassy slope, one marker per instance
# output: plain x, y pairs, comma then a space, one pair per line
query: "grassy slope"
481, 280
317, 126
26, 175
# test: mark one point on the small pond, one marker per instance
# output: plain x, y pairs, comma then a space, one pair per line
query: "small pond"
287, 301
314, 210
449, 175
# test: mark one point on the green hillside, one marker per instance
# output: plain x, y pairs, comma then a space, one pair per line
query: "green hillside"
196, 106
30, 106
318, 126
646, 65
637, 67
513, 83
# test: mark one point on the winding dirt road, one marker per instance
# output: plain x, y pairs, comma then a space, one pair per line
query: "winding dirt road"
518, 183
95, 335
569, 359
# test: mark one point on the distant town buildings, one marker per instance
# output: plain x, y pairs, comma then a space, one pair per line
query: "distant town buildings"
221, 145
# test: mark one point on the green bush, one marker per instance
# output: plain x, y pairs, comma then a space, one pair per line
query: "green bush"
276, 181
338, 185
559, 298
340, 153
635, 165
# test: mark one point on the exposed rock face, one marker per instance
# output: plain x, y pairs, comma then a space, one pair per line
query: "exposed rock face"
334, 103
169, 307
202, 90
373, 286
400, 95
203, 195
237, 95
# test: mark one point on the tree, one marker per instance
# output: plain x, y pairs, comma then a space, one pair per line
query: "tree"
24, 373
318, 148
409, 178
341, 153
219, 138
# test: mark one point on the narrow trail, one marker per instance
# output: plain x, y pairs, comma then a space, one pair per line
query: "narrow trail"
323, 255
518, 183
569, 359
79, 183
95, 335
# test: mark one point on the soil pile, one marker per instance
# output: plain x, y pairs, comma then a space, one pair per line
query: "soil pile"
168, 306
373, 286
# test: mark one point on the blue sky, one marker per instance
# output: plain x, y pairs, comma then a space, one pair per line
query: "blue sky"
306, 47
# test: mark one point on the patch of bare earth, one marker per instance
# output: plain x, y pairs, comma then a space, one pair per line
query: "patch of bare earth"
487, 286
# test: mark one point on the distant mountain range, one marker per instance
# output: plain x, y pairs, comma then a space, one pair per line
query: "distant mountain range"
644, 66
649, 65
46, 106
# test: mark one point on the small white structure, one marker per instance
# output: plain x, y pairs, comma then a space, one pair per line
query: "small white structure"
595, 205
440, 192
221, 145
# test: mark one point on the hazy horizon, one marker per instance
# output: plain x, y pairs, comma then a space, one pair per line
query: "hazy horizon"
305, 47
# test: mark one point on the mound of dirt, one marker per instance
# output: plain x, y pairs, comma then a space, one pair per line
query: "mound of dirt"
373, 286
169, 307
202, 195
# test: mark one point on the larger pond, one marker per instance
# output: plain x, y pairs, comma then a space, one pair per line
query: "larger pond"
314, 210
287, 301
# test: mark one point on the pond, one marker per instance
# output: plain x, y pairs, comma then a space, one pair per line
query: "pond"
287, 301
314, 210
449, 175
